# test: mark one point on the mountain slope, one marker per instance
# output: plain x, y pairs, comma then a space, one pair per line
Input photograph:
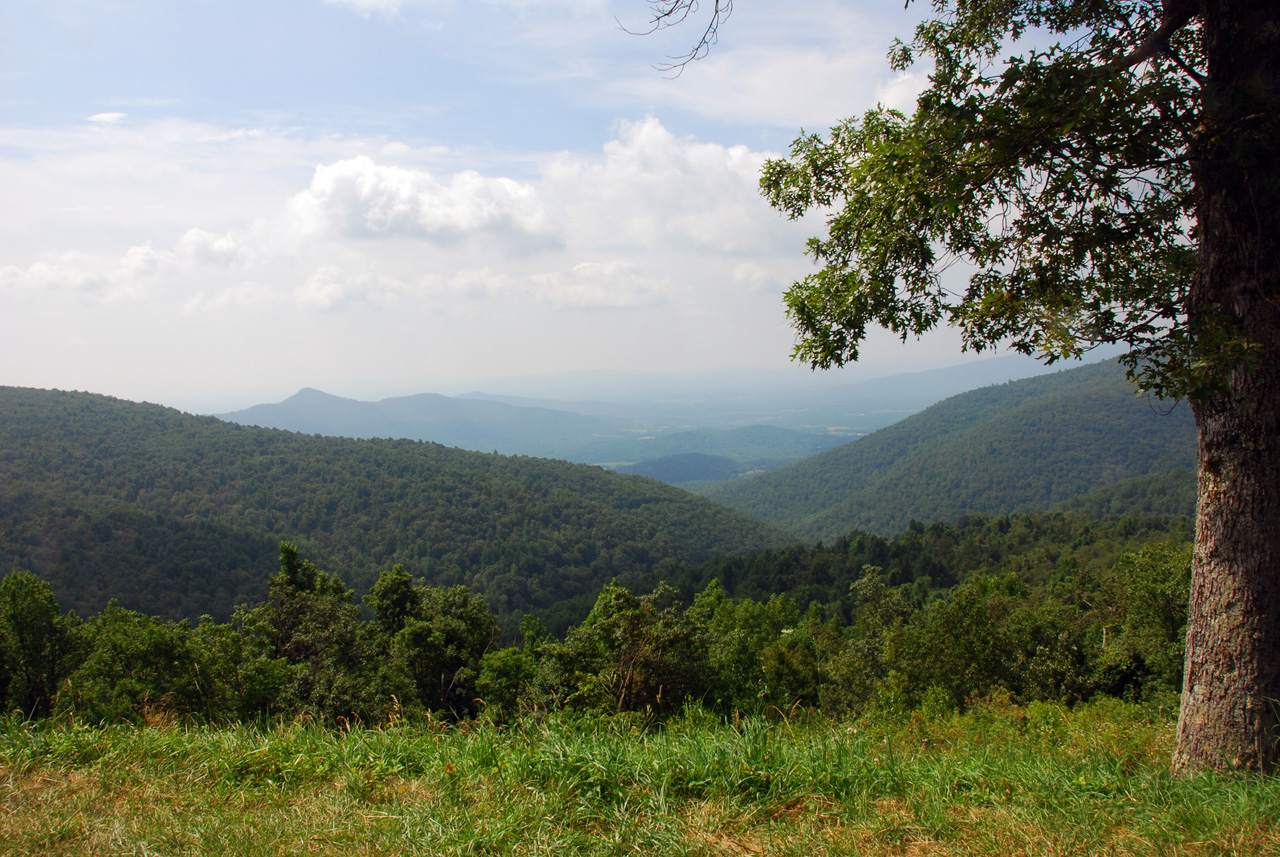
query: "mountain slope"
180, 515
1021, 446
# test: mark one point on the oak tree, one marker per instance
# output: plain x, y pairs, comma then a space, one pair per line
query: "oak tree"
1102, 171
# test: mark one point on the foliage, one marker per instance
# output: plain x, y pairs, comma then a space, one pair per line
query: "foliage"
1141, 601
1166, 492
691, 467
1050, 607
136, 666
1060, 174
311, 623
631, 654
440, 647
36, 644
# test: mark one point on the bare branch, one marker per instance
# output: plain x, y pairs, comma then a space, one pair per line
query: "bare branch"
669, 13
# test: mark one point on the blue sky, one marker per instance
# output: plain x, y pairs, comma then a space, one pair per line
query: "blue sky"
210, 204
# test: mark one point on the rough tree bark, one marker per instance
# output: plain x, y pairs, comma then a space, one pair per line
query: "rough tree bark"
1231, 690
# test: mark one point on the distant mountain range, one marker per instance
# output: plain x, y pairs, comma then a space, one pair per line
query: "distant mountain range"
753, 421
1076, 436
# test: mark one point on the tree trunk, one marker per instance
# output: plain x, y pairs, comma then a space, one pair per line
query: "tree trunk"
1231, 684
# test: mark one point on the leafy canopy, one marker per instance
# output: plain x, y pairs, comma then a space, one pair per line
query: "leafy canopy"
1059, 176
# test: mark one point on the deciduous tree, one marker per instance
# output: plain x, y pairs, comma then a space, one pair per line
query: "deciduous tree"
1106, 171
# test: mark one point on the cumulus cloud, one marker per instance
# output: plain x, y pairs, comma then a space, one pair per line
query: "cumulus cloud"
106, 118
250, 294
359, 198
621, 227
202, 247
484, 283
132, 276
658, 191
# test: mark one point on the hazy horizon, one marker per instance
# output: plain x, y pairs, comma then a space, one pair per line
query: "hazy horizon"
215, 205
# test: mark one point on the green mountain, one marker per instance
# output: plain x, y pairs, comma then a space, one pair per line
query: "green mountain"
179, 515
1022, 446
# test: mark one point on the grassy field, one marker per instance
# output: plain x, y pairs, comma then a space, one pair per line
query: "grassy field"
999, 780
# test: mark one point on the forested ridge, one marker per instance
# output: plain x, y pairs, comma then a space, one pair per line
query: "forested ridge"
180, 515
1022, 446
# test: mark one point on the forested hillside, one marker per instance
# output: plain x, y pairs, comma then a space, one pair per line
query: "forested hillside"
178, 515
1049, 550
1165, 492
1021, 446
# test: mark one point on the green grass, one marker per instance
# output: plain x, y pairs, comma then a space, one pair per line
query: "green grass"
998, 780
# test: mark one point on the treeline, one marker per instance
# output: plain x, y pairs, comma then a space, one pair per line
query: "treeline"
308, 650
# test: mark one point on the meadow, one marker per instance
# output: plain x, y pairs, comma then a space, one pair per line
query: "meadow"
1040, 779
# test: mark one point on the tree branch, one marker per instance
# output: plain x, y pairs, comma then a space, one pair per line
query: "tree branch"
1174, 16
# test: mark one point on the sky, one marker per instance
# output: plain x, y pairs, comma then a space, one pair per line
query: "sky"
214, 203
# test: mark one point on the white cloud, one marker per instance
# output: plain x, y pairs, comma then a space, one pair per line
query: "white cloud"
484, 283
43, 276
250, 295
656, 191
131, 277
333, 287
754, 278
901, 92
106, 118
202, 247
596, 285
619, 228
369, 7
359, 198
